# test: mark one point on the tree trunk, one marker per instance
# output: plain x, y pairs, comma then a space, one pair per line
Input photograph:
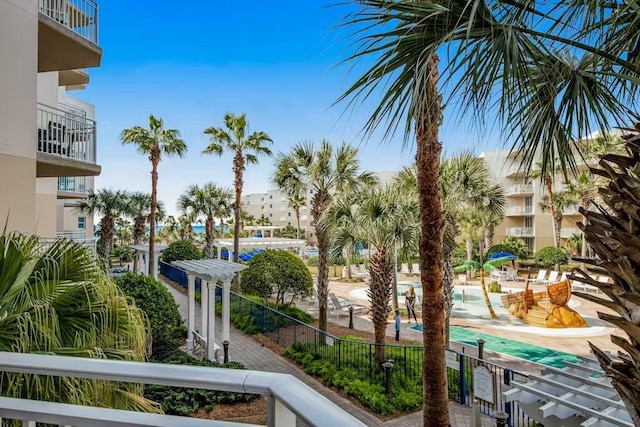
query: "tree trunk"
298, 223
552, 209
557, 225
221, 227
394, 289
381, 270
469, 245
208, 238
238, 168
488, 237
348, 263
319, 204
484, 287
107, 230
138, 236
428, 119
448, 246
155, 159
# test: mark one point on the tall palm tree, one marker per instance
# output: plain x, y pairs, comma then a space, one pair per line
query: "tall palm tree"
387, 219
584, 191
297, 201
340, 218
185, 225
328, 171
56, 299
263, 221
546, 175
245, 149
560, 201
223, 202
543, 77
139, 209
154, 142
110, 204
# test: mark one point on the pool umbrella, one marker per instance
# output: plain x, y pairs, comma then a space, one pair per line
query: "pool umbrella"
502, 255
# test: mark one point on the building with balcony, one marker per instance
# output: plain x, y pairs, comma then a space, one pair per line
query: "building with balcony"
47, 137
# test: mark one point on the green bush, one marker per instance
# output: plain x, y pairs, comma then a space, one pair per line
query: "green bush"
151, 296
278, 272
460, 253
494, 287
186, 401
512, 244
524, 263
181, 250
550, 256
312, 261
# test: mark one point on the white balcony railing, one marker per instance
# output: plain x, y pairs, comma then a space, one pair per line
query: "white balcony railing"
80, 16
520, 189
520, 210
520, 231
289, 399
66, 134
566, 232
72, 184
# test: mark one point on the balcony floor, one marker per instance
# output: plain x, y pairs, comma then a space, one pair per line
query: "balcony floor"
50, 166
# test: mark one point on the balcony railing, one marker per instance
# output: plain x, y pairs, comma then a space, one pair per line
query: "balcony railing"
520, 231
520, 210
77, 237
288, 398
72, 184
520, 189
66, 134
566, 232
80, 16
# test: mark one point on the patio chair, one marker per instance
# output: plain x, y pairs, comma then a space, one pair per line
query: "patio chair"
462, 279
404, 269
354, 271
342, 307
415, 269
364, 272
553, 277
540, 278
512, 274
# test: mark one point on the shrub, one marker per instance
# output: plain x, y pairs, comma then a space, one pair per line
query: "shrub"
512, 244
312, 261
154, 299
180, 250
186, 401
550, 256
495, 287
276, 271
460, 253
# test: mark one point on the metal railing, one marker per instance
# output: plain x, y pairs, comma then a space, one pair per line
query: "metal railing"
520, 231
288, 398
566, 232
359, 356
65, 134
72, 184
79, 237
520, 210
80, 16
73, 235
520, 189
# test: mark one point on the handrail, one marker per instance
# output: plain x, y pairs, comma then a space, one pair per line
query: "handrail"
65, 134
80, 16
307, 404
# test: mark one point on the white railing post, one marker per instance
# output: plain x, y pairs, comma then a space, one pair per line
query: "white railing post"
279, 415
204, 309
211, 338
226, 309
191, 316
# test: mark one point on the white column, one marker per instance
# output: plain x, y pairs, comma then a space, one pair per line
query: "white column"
283, 417
156, 259
191, 315
211, 337
226, 312
219, 248
204, 307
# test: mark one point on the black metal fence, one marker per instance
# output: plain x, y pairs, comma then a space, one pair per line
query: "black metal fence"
359, 356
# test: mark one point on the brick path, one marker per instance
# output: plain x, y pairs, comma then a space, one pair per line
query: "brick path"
256, 357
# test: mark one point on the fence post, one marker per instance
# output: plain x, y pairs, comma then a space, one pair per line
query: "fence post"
463, 381
507, 406
481, 348
339, 352
225, 345
502, 418
351, 317
406, 361
388, 367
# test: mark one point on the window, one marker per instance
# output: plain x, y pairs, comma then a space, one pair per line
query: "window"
271, 215
270, 197
270, 206
81, 222
310, 234
289, 224
263, 199
313, 223
289, 214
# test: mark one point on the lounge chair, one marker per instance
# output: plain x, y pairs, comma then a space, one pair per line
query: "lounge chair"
415, 269
540, 278
364, 273
512, 274
313, 299
405, 268
462, 279
553, 277
342, 306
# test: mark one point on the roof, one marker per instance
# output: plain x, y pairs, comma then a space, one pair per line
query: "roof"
210, 270
261, 242
262, 227
145, 248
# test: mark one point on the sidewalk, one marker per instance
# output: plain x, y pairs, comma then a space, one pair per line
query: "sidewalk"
254, 356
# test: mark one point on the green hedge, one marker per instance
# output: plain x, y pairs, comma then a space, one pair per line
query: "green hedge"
150, 295
181, 250
549, 256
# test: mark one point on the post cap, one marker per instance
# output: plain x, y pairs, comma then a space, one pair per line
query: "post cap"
481, 341
388, 364
225, 342
501, 415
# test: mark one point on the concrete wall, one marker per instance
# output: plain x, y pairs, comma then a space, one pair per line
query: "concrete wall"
46, 197
18, 71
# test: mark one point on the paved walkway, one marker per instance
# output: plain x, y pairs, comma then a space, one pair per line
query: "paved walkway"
256, 357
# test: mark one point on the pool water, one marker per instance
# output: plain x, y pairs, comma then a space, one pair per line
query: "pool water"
519, 349
472, 295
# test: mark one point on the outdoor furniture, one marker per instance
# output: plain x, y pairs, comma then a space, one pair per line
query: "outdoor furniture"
511, 274
404, 269
342, 307
415, 269
553, 277
364, 273
462, 279
539, 280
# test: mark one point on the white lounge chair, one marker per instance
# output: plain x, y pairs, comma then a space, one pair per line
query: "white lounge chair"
553, 277
342, 306
462, 279
512, 274
415, 269
364, 272
354, 271
540, 278
404, 268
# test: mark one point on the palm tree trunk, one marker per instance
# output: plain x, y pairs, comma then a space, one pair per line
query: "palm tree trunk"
484, 287
323, 275
469, 245
583, 248
298, 223
448, 246
208, 237
138, 237
221, 227
107, 230
557, 225
238, 165
152, 217
381, 270
348, 263
552, 210
436, 402
488, 237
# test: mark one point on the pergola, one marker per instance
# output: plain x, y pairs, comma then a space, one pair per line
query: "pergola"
263, 228
259, 243
210, 271
142, 253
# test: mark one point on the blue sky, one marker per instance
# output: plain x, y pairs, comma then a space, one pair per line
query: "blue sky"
275, 61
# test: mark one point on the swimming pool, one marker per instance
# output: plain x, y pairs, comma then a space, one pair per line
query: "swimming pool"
472, 294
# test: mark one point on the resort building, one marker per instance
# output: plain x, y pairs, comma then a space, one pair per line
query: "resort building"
47, 136
274, 205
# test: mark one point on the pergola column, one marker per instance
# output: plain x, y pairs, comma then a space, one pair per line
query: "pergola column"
211, 337
156, 263
191, 315
226, 302
204, 307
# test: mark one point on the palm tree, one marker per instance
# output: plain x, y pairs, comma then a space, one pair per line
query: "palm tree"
560, 201
185, 225
328, 172
546, 175
110, 204
223, 202
57, 300
245, 149
584, 190
297, 201
387, 219
263, 221
154, 142
541, 75
339, 219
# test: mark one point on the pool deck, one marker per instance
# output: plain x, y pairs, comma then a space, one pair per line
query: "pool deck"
476, 316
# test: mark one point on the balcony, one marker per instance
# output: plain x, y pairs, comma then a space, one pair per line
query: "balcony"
67, 35
289, 400
74, 187
79, 237
66, 143
566, 232
520, 231
73, 79
520, 211
520, 190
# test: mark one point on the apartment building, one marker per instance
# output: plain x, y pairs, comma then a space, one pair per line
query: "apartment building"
274, 205
47, 136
